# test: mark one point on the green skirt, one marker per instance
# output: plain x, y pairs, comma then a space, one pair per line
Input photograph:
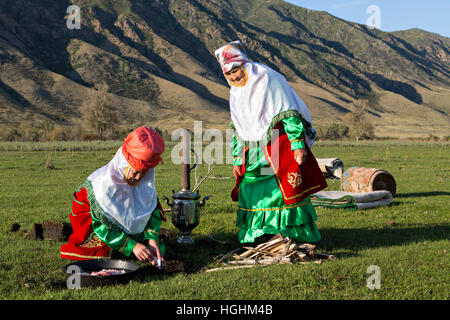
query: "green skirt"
262, 209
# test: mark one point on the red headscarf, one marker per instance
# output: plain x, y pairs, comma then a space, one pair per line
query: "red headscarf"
231, 55
142, 148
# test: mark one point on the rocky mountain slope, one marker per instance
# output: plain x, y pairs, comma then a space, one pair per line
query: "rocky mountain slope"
156, 57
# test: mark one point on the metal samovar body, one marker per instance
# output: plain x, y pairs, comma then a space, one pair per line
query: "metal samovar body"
186, 204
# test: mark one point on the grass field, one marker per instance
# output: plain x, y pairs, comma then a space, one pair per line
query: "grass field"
409, 240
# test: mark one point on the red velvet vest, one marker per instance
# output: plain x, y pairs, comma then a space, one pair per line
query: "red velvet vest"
295, 182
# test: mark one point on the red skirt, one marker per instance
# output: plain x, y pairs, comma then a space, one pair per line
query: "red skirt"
83, 243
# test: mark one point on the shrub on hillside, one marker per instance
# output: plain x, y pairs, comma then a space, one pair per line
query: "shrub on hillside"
337, 131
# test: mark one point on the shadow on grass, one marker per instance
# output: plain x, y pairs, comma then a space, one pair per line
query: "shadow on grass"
423, 194
192, 259
364, 238
179, 258
188, 259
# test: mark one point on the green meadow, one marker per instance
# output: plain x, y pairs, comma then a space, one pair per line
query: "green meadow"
408, 241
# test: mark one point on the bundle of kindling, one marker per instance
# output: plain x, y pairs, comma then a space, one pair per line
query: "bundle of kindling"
279, 249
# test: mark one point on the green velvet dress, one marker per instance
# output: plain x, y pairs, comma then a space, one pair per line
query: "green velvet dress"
261, 206
116, 238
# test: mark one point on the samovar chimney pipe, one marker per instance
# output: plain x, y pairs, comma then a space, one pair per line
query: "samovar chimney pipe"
185, 160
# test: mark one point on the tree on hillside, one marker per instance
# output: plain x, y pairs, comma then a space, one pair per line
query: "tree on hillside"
101, 116
360, 127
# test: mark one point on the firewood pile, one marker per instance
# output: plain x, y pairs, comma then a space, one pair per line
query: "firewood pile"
279, 249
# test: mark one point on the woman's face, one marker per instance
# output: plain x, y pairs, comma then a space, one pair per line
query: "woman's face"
134, 177
236, 77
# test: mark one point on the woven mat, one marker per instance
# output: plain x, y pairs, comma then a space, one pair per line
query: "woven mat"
354, 200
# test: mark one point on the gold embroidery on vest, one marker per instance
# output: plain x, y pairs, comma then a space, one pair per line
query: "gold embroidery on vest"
92, 242
294, 179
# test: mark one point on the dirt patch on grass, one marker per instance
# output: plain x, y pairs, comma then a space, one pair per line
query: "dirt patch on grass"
49, 230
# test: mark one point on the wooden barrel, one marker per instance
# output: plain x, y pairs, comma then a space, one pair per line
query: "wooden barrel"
359, 179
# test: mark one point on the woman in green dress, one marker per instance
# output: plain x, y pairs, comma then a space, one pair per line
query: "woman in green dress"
261, 101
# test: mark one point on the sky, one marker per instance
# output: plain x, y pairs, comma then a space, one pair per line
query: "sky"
388, 15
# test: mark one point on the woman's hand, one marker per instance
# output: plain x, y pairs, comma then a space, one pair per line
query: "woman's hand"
300, 155
149, 253
142, 252
237, 171
156, 253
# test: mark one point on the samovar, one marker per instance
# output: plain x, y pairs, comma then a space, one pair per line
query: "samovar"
186, 203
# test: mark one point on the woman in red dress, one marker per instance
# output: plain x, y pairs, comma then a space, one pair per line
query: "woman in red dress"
116, 208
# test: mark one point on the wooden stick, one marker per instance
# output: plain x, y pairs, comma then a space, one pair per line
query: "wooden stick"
302, 256
277, 247
245, 261
286, 248
235, 267
262, 261
254, 255
290, 254
268, 244
215, 240
306, 246
265, 246
227, 255
324, 256
268, 248
246, 254
282, 252
274, 260
201, 181
237, 257
260, 251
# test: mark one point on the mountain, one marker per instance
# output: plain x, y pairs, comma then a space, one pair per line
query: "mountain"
156, 57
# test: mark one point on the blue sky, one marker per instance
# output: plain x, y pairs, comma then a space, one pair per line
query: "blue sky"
431, 15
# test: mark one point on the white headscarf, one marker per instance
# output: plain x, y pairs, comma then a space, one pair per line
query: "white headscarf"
265, 95
129, 207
